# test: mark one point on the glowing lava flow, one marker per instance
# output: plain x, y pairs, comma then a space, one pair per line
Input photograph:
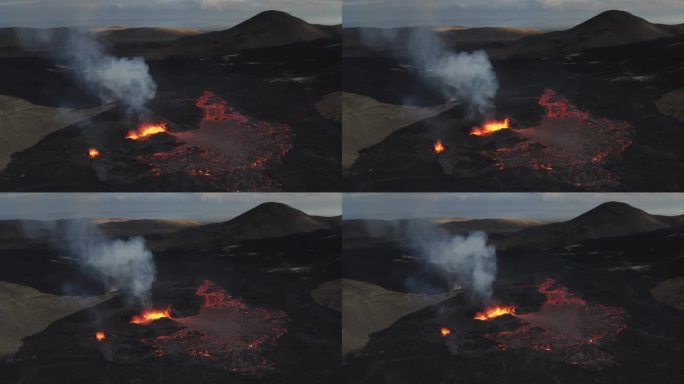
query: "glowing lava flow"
93, 153
438, 147
229, 149
490, 127
146, 130
494, 312
226, 332
150, 315
100, 336
566, 328
569, 146
445, 332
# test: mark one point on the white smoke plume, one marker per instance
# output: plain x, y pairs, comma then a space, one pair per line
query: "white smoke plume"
126, 265
469, 260
464, 76
460, 75
123, 80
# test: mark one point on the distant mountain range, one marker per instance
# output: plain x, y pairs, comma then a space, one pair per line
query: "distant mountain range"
611, 219
268, 220
610, 28
267, 29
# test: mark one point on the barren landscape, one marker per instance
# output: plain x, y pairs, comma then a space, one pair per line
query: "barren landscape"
168, 109
235, 308
591, 108
597, 298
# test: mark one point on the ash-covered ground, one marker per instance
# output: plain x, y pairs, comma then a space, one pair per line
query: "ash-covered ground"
242, 314
268, 87
597, 322
616, 84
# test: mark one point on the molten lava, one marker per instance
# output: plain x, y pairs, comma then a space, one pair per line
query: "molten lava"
445, 332
566, 328
146, 130
93, 153
150, 315
226, 332
490, 127
569, 146
494, 312
438, 147
100, 336
229, 149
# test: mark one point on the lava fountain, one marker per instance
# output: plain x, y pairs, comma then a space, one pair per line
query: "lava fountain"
93, 153
438, 147
445, 332
494, 312
100, 336
146, 130
149, 315
491, 126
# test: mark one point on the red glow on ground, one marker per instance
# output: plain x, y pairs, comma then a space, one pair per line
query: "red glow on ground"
569, 146
566, 328
227, 332
229, 149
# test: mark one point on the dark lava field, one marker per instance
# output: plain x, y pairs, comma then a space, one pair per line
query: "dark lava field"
615, 86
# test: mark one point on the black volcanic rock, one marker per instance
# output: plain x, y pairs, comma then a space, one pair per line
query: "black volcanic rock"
268, 220
610, 219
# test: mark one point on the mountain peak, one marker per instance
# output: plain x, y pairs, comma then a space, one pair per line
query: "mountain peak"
616, 14
273, 209
612, 209
272, 16
615, 207
614, 19
611, 219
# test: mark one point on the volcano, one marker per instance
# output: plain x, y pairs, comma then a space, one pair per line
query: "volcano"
549, 133
595, 298
244, 313
608, 29
268, 220
612, 219
230, 110
267, 29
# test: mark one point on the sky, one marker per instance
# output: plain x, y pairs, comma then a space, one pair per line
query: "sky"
534, 206
199, 14
206, 207
542, 14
